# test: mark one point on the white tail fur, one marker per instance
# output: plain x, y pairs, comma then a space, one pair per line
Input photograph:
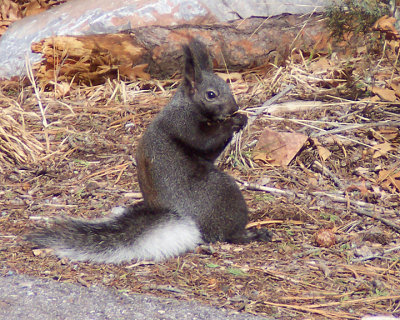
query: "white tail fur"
164, 240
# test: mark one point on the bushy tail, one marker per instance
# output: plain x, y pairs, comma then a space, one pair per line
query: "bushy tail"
138, 233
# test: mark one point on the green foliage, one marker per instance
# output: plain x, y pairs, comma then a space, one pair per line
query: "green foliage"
266, 197
379, 293
354, 16
329, 217
344, 247
81, 163
237, 272
289, 232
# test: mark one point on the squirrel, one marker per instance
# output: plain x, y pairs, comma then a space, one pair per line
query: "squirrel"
187, 199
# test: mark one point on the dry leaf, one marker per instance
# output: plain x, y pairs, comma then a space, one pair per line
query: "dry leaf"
42, 252
389, 133
323, 152
278, 148
362, 188
393, 44
362, 50
35, 7
382, 149
389, 177
262, 156
233, 76
386, 25
321, 64
384, 93
382, 75
61, 89
371, 99
9, 10
135, 72
396, 87
323, 41
334, 139
88, 58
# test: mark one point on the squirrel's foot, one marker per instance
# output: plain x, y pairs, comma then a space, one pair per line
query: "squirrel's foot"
261, 234
247, 236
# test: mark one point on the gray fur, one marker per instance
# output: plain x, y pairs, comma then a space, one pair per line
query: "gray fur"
187, 199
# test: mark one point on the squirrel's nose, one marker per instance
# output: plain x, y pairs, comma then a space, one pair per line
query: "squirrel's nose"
234, 106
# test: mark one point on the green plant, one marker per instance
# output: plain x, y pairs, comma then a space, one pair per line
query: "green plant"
354, 16
237, 272
379, 293
329, 217
344, 247
265, 197
81, 163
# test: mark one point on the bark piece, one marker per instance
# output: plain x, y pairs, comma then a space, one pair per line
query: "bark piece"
235, 45
89, 59
83, 17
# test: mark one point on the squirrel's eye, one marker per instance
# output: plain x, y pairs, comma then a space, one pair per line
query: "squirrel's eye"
211, 94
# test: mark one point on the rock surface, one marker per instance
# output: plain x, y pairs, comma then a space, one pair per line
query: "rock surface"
27, 298
80, 17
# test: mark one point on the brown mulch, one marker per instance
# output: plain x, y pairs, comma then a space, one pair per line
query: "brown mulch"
70, 152
76, 159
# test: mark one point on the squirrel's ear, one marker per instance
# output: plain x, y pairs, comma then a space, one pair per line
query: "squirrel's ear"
197, 60
201, 56
188, 72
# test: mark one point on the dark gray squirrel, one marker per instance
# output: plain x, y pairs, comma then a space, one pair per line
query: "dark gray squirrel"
187, 199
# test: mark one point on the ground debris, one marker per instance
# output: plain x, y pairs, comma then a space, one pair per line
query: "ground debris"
83, 166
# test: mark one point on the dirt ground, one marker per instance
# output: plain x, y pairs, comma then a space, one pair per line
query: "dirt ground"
333, 210
82, 164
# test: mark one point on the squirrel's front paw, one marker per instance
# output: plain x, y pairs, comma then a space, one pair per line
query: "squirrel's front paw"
239, 121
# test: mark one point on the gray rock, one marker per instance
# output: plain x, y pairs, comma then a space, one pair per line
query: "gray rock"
23, 297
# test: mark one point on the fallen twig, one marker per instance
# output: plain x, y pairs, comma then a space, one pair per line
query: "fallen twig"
354, 126
271, 101
164, 288
328, 314
326, 172
265, 222
376, 216
367, 209
378, 256
35, 88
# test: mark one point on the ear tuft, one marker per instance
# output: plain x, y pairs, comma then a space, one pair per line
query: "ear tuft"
201, 55
188, 72
197, 61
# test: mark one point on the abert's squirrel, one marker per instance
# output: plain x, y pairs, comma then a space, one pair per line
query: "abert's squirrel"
187, 199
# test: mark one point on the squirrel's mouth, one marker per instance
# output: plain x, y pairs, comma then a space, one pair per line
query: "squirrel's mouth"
221, 118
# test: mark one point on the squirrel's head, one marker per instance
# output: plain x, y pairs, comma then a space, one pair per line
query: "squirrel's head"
208, 92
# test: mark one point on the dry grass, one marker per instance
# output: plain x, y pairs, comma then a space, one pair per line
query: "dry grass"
16, 144
80, 163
